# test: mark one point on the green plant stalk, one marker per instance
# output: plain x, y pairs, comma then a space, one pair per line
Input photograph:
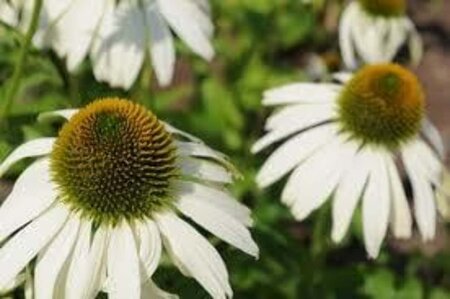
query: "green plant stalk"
18, 70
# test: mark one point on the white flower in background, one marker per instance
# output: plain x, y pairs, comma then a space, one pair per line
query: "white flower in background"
118, 35
346, 142
104, 196
9, 13
373, 31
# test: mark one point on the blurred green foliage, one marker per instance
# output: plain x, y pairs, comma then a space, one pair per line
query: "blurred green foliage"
260, 44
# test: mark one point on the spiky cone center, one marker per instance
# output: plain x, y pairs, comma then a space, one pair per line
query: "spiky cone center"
382, 104
385, 8
114, 160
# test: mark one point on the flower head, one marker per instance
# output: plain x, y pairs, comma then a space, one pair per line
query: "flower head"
104, 196
118, 34
345, 142
374, 31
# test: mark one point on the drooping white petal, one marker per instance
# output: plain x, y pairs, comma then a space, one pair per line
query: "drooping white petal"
191, 24
201, 150
376, 204
51, 261
26, 244
151, 290
8, 14
425, 159
74, 37
302, 93
181, 134
32, 194
433, 136
204, 169
424, 205
313, 181
162, 48
65, 113
219, 199
150, 247
123, 264
346, 38
96, 264
33, 148
348, 193
401, 221
342, 77
118, 51
415, 43
194, 255
217, 222
79, 263
293, 152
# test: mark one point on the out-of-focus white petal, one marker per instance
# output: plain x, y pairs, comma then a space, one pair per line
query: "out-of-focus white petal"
346, 38
433, 136
348, 193
216, 221
194, 255
118, 51
32, 194
51, 261
26, 244
191, 24
293, 152
376, 205
33, 148
162, 48
123, 264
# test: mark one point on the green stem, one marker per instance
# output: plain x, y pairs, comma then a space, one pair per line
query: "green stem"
18, 70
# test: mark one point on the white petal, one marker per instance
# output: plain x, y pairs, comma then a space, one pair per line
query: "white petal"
204, 170
348, 194
201, 150
425, 159
25, 245
194, 255
342, 77
302, 93
313, 181
401, 221
300, 116
293, 152
151, 290
74, 37
123, 264
8, 14
118, 52
65, 113
219, 199
79, 262
415, 43
375, 208
33, 148
191, 24
424, 205
433, 136
32, 194
51, 261
346, 38
181, 134
162, 48
150, 247
217, 222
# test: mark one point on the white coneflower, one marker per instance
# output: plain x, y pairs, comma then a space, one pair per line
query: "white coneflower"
373, 31
346, 142
118, 34
98, 205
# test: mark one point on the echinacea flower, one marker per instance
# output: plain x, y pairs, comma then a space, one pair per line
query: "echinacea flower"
104, 196
350, 143
374, 31
118, 35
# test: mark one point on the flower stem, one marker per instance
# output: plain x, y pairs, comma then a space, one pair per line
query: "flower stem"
18, 70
